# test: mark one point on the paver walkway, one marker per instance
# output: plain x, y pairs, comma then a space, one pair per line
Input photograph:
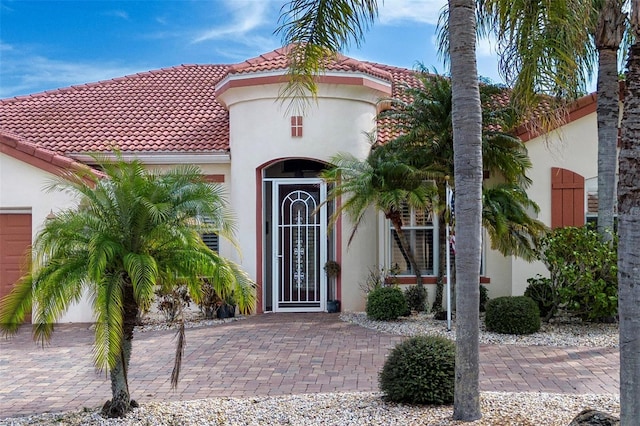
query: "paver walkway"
271, 354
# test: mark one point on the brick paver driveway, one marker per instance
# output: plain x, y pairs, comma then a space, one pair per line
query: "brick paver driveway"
271, 354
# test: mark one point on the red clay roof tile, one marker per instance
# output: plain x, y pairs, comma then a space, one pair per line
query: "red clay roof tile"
16, 146
165, 110
124, 112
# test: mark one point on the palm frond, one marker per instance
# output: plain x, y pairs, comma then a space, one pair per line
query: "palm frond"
317, 30
15, 305
108, 307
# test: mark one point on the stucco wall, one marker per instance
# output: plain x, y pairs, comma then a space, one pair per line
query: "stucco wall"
260, 133
573, 147
22, 190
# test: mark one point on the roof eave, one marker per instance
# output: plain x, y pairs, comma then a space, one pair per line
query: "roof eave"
160, 157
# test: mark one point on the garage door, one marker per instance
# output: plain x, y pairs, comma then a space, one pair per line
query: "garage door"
15, 238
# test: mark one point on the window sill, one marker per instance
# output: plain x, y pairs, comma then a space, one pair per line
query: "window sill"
429, 279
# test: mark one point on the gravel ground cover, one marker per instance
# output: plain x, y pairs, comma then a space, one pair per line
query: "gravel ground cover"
498, 408
561, 331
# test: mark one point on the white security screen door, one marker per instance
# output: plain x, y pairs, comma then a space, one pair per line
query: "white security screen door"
299, 245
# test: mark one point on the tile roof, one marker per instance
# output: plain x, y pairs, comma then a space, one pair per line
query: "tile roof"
17, 147
278, 60
166, 110
401, 78
170, 110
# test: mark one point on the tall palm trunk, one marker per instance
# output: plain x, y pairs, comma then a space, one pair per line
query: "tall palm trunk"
442, 265
629, 232
396, 222
121, 403
608, 38
467, 149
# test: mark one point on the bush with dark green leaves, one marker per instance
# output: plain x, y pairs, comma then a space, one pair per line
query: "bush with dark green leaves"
416, 298
484, 298
420, 370
541, 291
512, 315
583, 271
386, 304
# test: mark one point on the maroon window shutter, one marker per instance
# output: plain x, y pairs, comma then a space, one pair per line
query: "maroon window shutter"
567, 198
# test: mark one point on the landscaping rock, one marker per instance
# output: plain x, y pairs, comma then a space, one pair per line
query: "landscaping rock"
594, 418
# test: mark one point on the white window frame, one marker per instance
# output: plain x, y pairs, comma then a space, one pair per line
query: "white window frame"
389, 241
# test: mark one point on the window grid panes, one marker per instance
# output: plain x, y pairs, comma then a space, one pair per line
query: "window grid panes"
419, 231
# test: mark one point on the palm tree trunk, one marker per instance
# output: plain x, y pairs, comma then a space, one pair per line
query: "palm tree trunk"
121, 403
467, 148
442, 249
629, 232
608, 38
406, 247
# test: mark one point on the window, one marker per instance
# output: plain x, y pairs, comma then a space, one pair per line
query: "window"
422, 235
212, 241
296, 126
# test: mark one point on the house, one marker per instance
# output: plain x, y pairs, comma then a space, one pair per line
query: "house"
230, 121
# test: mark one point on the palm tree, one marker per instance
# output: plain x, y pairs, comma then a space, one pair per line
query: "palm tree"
466, 119
383, 182
608, 37
133, 231
629, 236
425, 142
549, 48
320, 28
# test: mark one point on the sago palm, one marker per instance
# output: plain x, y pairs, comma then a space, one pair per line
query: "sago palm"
132, 232
383, 183
422, 118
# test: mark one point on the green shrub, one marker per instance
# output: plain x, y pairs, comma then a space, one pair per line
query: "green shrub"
541, 291
420, 370
386, 304
484, 298
583, 271
416, 297
512, 315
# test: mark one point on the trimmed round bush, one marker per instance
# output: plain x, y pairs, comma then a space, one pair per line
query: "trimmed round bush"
542, 293
386, 304
420, 370
512, 315
416, 298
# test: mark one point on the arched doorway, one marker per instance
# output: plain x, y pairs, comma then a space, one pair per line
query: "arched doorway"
296, 240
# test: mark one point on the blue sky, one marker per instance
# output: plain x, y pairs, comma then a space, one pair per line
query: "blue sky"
46, 45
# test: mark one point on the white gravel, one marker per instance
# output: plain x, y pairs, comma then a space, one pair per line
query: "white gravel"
558, 332
366, 408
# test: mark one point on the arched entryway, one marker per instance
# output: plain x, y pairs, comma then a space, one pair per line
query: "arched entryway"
296, 238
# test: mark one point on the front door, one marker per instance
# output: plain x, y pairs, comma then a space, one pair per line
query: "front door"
299, 245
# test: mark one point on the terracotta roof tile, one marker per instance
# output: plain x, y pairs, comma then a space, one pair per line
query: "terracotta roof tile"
278, 60
16, 146
136, 112
165, 110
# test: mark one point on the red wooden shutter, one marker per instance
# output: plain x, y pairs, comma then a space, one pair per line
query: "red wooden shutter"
567, 198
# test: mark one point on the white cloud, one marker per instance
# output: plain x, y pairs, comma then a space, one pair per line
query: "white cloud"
4, 47
24, 73
244, 17
118, 14
422, 11
486, 47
